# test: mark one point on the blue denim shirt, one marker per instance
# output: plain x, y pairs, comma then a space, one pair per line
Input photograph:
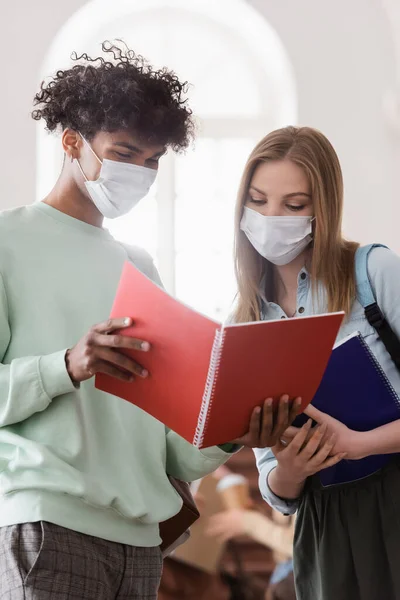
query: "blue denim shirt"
384, 272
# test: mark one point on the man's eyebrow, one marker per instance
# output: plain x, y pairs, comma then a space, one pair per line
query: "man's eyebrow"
128, 146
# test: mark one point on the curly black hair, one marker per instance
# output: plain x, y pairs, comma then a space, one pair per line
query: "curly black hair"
122, 92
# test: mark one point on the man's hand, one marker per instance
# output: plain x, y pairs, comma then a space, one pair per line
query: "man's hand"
267, 425
101, 351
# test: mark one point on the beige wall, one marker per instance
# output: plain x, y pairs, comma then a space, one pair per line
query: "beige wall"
344, 63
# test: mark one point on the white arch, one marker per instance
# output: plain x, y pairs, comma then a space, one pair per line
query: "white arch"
236, 15
244, 22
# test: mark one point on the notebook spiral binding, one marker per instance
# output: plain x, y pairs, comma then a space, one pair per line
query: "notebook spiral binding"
378, 367
209, 388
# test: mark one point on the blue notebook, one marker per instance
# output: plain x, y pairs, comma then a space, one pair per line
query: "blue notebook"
356, 391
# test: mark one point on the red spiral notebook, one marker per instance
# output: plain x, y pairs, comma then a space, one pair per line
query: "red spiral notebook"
206, 378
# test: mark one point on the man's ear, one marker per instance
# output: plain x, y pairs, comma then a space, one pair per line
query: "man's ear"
72, 143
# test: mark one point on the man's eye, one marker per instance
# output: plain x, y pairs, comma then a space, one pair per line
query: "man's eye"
121, 155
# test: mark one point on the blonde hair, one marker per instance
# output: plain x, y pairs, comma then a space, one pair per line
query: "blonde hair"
332, 256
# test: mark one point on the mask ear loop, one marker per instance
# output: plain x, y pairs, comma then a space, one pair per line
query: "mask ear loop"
93, 152
90, 148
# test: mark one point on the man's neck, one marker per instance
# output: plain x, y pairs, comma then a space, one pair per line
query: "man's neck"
68, 198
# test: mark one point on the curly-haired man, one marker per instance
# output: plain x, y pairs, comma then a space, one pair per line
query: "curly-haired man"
83, 480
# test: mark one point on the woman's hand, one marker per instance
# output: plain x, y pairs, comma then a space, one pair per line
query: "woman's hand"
267, 425
304, 455
347, 440
227, 525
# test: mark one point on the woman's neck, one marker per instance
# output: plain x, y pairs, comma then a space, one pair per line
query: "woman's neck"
285, 282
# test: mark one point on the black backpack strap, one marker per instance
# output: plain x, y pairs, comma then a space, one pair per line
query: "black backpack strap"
373, 313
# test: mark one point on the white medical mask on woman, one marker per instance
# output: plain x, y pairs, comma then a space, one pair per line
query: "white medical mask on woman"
119, 187
278, 239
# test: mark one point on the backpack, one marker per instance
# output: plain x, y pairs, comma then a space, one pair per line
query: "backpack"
373, 313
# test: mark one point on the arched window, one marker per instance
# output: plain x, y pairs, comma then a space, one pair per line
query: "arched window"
242, 87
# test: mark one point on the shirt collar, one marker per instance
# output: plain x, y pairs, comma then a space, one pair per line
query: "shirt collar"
261, 290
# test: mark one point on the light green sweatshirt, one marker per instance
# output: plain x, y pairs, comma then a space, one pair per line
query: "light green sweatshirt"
79, 458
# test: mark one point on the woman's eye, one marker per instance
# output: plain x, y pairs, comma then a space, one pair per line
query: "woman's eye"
295, 207
257, 201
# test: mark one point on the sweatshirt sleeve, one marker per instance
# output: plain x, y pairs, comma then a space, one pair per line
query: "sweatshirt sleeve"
187, 463
144, 262
28, 384
266, 462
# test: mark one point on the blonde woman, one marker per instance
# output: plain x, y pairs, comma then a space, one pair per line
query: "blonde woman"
292, 260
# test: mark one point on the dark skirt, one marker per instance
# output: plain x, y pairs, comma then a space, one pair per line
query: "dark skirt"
347, 539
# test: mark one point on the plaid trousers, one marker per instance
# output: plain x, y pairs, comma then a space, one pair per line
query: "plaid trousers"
42, 561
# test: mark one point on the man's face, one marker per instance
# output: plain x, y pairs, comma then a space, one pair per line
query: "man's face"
120, 146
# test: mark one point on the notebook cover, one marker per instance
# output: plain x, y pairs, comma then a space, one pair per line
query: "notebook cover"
181, 342
267, 359
259, 360
355, 391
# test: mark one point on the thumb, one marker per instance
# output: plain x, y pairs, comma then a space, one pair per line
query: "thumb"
315, 414
290, 432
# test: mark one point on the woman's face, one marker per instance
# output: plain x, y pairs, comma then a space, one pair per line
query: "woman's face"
280, 188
